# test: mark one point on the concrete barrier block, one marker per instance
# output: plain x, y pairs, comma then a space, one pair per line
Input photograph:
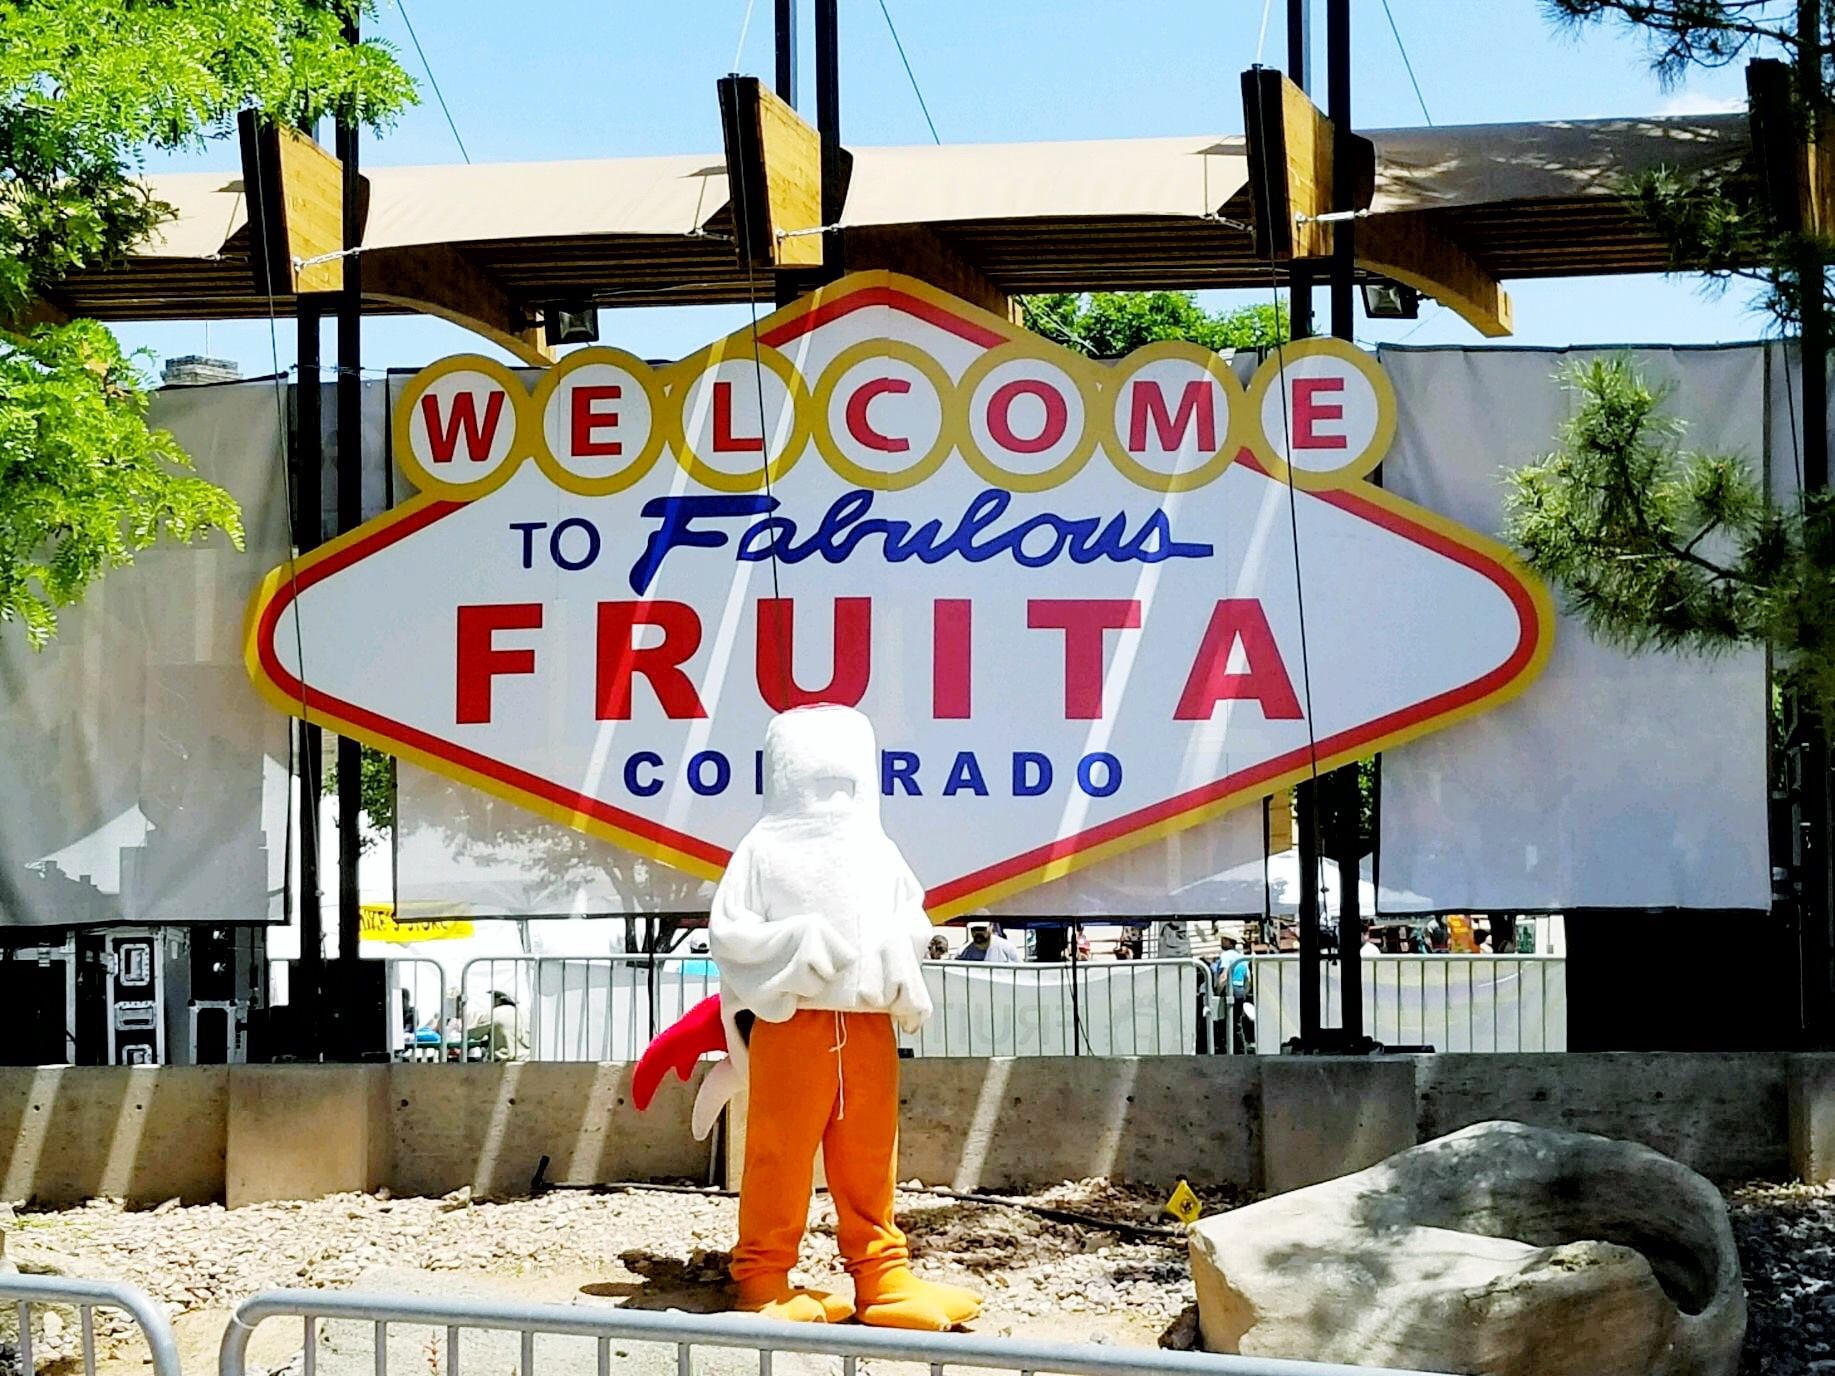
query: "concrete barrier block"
1326, 1116
1009, 1124
144, 1134
1811, 1092
1723, 1115
306, 1131
487, 1125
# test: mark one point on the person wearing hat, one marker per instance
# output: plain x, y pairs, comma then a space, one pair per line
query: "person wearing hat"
499, 1033
985, 943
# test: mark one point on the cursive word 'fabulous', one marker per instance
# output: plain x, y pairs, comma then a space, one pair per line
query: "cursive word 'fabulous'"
977, 536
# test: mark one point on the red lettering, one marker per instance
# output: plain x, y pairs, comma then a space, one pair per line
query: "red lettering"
587, 422
1000, 415
861, 427
951, 620
725, 441
1147, 402
479, 661
1083, 621
620, 660
853, 659
443, 438
1264, 681
1308, 411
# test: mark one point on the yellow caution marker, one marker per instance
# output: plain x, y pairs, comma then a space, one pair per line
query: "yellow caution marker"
1183, 1205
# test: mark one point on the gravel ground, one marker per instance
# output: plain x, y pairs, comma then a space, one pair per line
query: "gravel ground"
653, 1249
1041, 1276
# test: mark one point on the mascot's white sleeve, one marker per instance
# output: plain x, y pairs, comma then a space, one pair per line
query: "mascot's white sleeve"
768, 963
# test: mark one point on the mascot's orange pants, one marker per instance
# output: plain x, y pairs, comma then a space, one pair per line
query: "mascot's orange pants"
829, 1080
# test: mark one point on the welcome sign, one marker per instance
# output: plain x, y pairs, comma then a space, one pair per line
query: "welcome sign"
1086, 605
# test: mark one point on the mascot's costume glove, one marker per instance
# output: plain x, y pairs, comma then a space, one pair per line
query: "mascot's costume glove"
818, 928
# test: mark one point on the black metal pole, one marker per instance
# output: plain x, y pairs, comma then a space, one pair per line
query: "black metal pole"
785, 286
309, 497
828, 126
1300, 72
1305, 796
785, 32
1346, 845
350, 503
1813, 345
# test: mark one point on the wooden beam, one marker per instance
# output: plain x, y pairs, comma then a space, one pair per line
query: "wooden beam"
295, 192
919, 251
438, 279
1410, 248
1290, 167
773, 175
38, 311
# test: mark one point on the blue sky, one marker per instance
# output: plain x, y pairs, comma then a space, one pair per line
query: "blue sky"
551, 79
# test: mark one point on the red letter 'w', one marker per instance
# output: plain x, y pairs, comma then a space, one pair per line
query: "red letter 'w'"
442, 440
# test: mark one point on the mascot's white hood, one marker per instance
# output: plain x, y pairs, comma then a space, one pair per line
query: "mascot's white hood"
817, 908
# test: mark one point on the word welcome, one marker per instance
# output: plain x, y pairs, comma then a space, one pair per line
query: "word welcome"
1024, 415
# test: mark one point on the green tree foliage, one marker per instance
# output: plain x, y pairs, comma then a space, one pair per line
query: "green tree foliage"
87, 88
1109, 324
1656, 546
84, 484
1716, 221
375, 788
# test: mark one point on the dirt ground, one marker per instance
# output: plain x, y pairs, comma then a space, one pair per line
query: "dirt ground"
1041, 1277
1116, 1276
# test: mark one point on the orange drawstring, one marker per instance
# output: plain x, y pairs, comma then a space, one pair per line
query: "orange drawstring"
840, 1066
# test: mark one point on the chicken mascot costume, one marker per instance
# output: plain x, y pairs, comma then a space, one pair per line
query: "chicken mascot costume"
818, 927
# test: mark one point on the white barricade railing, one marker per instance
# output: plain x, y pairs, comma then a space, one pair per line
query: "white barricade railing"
607, 1008
1090, 1008
382, 1319
1449, 1002
26, 1293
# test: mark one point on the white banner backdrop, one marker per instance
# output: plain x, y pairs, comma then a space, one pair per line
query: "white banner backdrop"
1618, 780
142, 780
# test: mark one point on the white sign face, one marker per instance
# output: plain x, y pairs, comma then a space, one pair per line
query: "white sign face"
1067, 594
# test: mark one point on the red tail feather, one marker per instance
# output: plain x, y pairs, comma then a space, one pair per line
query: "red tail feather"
679, 1046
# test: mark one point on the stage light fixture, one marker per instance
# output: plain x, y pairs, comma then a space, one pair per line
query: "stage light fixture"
1391, 301
570, 322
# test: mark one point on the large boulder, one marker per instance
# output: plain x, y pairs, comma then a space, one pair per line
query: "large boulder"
1501, 1249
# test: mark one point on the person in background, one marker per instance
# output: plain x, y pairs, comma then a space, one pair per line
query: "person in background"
498, 1033
939, 948
1171, 941
985, 944
1370, 948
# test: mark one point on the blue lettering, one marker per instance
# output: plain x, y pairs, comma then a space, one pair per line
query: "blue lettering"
723, 772
643, 788
528, 529
1086, 772
676, 514
592, 543
899, 767
758, 772
966, 773
1031, 774
1036, 542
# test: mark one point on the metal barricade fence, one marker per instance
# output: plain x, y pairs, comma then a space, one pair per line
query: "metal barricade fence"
690, 1334
1452, 1003
86, 1296
585, 1008
417, 994
607, 1008
1082, 1008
